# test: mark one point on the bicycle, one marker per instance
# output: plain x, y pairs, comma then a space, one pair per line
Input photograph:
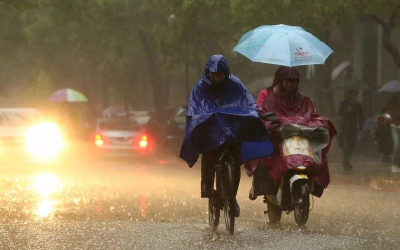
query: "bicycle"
223, 197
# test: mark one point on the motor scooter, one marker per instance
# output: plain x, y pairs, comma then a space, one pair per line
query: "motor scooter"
297, 183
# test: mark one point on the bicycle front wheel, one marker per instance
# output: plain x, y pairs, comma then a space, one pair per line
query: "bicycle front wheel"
229, 204
213, 211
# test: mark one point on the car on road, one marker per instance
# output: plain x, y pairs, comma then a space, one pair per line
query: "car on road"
121, 137
26, 137
176, 128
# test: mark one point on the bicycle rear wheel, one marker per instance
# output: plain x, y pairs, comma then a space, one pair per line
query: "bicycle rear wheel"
274, 213
214, 211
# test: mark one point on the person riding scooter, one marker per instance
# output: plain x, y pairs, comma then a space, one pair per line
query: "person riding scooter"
301, 138
292, 107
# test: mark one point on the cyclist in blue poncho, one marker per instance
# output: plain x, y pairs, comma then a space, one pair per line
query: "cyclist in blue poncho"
220, 110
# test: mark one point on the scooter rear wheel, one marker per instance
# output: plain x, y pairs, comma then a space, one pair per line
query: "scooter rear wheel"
301, 203
274, 213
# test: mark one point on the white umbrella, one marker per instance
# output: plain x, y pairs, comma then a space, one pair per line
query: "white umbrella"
392, 86
283, 45
339, 69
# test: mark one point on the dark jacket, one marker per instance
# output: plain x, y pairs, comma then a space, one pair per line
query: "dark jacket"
352, 118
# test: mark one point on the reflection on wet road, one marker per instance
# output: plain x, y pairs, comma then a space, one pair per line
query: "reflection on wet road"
45, 185
126, 205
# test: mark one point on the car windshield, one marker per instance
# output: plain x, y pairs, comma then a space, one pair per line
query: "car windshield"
118, 125
19, 118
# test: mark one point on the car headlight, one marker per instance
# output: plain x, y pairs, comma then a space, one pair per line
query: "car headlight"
44, 140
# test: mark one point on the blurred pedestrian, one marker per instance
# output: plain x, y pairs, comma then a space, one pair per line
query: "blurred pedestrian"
393, 108
383, 137
352, 122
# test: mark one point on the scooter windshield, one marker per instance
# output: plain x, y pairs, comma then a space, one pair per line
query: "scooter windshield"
303, 140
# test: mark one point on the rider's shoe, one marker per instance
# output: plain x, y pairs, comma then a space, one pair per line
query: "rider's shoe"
251, 194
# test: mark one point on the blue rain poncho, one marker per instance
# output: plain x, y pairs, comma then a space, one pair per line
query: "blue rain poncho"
219, 113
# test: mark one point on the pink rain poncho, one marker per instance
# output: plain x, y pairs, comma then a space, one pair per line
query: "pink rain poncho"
296, 116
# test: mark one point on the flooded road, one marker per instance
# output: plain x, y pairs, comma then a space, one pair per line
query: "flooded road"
119, 204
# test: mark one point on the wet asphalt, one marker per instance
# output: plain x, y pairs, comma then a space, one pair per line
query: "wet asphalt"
118, 203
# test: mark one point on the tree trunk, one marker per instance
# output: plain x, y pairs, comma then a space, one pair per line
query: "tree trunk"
187, 83
387, 28
104, 90
325, 100
370, 58
155, 70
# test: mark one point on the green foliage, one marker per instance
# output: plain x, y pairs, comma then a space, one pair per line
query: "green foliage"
96, 45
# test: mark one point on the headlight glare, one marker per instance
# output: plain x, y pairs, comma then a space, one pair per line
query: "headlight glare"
44, 140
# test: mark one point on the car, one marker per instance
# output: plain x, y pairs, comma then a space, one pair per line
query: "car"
121, 137
26, 137
167, 128
176, 128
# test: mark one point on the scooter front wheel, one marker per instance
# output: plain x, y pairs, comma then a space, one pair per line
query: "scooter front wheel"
301, 203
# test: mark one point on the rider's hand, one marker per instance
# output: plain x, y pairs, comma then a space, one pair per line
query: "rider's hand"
274, 125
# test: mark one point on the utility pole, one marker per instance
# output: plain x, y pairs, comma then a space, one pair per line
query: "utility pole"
379, 56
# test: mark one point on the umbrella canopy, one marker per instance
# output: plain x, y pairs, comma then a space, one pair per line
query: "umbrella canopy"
67, 95
339, 69
392, 86
283, 45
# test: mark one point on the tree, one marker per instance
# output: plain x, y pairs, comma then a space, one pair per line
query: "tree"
387, 15
199, 29
114, 49
89, 45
